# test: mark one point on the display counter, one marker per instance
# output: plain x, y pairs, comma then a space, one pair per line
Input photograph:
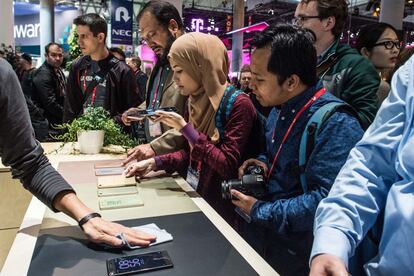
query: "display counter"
51, 243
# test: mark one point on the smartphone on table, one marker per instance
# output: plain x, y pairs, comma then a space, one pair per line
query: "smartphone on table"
133, 264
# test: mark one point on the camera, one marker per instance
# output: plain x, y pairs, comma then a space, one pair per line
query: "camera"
252, 183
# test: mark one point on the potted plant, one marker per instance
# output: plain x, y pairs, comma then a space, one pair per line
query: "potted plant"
93, 130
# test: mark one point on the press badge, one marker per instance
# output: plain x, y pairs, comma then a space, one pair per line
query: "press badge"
192, 177
154, 128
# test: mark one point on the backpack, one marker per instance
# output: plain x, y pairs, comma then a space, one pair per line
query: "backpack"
258, 129
312, 129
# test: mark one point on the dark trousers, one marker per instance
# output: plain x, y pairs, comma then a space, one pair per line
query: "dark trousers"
287, 254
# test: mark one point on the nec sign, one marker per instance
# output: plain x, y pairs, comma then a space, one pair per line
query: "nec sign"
120, 32
121, 22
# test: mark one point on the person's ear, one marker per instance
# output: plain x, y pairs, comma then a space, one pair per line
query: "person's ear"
173, 27
101, 37
330, 23
291, 83
365, 52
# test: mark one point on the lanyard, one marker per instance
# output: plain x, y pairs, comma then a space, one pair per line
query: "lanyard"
156, 90
317, 95
84, 88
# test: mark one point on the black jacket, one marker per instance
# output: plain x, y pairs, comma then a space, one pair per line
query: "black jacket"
120, 86
46, 93
18, 146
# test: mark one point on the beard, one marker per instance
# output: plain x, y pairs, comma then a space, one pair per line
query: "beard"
163, 59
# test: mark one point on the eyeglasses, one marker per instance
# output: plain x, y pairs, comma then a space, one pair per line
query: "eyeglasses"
150, 35
299, 20
389, 44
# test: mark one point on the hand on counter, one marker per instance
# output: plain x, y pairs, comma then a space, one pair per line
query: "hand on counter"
139, 153
99, 230
140, 168
95, 228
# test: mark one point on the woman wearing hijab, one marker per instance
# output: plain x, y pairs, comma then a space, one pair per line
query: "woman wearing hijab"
215, 148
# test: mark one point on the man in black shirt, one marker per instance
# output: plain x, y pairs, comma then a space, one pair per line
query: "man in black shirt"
141, 77
49, 84
20, 150
98, 78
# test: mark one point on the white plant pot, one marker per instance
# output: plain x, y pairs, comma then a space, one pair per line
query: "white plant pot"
90, 141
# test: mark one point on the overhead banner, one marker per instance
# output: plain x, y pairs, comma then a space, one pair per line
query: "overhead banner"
122, 15
27, 28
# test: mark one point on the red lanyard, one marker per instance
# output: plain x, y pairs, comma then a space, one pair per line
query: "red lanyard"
156, 89
94, 89
317, 95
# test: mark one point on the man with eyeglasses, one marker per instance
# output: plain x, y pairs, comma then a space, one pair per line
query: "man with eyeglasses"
49, 85
343, 71
160, 25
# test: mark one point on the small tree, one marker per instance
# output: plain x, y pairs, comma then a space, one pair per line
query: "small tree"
74, 49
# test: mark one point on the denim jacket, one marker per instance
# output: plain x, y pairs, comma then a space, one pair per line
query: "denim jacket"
288, 209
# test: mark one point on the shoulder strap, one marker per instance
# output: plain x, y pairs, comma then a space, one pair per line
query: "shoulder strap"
224, 110
309, 135
99, 78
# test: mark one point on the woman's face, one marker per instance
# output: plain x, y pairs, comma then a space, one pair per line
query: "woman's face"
186, 84
385, 54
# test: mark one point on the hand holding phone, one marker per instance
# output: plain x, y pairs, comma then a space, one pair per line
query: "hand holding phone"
140, 114
171, 119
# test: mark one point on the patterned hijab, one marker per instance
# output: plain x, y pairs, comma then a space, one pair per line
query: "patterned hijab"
204, 58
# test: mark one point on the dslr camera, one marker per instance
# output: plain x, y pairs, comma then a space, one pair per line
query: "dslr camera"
252, 183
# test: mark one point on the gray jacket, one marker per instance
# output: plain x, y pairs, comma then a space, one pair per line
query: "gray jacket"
18, 147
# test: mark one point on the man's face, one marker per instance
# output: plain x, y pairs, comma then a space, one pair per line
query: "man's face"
304, 10
264, 84
245, 78
131, 64
158, 38
55, 56
87, 41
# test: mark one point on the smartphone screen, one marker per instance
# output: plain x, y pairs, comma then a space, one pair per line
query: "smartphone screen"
138, 263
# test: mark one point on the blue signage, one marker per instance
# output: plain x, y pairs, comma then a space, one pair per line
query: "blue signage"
121, 22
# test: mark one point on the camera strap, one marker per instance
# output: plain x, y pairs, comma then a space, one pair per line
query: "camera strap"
315, 97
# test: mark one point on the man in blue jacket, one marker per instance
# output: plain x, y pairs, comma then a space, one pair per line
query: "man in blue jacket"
377, 178
284, 77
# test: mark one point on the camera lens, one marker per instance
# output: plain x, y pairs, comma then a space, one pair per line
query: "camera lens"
225, 190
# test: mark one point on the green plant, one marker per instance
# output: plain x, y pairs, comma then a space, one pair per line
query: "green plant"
74, 49
96, 118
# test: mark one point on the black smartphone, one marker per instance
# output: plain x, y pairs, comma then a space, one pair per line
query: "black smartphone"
150, 112
138, 263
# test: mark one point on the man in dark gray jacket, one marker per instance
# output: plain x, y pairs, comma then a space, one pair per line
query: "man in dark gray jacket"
20, 150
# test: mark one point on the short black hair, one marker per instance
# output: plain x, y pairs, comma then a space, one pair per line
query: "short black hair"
136, 61
94, 21
27, 57
163, 12
245, 68
118, 51
47, 47
292, 52
370, 33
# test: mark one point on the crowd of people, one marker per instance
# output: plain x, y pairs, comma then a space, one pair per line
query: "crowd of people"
330, 131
